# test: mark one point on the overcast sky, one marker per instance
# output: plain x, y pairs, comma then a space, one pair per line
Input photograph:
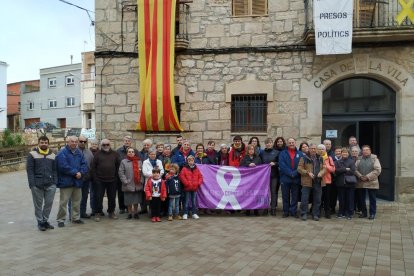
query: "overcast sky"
38, 34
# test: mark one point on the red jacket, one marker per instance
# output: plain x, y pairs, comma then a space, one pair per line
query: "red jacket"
191, 178
148, 189
235, 157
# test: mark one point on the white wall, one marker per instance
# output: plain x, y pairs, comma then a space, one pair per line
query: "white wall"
3, 95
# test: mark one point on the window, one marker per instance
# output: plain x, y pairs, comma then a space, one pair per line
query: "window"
249, 113
178, 107
52, 82
70, 80
52, 104
249, 7
70, 101
30, 105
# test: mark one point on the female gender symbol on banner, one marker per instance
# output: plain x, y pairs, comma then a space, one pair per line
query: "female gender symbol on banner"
229, 190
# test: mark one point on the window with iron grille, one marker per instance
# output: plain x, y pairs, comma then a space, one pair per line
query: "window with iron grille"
249, 113
249, 7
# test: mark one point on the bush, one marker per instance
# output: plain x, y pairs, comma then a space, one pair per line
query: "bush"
10, 139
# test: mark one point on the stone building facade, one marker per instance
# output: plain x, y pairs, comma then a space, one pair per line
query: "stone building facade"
271, 55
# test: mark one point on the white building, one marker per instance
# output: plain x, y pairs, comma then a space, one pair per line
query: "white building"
3, 95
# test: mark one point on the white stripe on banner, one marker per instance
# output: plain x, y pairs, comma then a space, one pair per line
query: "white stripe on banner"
333, 26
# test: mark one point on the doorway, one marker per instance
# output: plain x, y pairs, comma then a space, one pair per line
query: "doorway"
364, 108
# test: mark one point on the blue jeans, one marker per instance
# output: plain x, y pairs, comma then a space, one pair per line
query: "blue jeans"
193, 197
316, 200
174, 204
346, 201
372, 195
290, 198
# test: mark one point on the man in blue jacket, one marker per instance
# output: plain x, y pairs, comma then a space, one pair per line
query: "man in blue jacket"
289, 177
42, 177
71, 167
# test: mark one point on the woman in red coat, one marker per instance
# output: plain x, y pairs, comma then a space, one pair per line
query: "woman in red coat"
191, 179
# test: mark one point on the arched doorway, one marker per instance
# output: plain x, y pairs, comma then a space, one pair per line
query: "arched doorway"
364, 108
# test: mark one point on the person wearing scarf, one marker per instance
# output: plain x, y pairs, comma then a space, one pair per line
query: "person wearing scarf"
223, 155
181, 155
327, 179
42, 178
132, 182
211, 152
237, 151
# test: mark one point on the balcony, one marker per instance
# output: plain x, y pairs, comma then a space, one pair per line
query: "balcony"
374, 21
181, 30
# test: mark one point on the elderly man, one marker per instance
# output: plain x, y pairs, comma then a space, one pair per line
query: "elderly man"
71, 167
146, 145
86, 186
42, 177
105, 174
289, 177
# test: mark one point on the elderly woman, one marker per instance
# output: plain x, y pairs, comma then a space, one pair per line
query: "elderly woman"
151, 163
327, 179
368, 168
132, 179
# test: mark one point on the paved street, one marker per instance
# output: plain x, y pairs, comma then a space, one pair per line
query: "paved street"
213, 245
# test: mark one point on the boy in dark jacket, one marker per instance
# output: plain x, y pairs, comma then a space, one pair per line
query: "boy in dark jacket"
174, 192
191, 179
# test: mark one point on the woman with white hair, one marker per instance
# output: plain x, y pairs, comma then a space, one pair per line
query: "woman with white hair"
329, 165
150, 163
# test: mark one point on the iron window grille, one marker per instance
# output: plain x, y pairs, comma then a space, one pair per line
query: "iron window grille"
249, 113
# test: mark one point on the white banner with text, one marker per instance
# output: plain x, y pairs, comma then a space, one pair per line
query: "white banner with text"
333, 26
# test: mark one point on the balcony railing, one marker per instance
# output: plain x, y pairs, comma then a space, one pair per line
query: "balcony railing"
374, 20
181, 28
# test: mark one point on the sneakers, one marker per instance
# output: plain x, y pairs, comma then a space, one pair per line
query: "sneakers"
48, 225
195, 216
178, 217
315, 218
185, 216
154, 219
371, 217
170, 218
61, 224
158, 219
340, 216
78, 221
41, 226
112, 216
85, 216
304, 217
97, 217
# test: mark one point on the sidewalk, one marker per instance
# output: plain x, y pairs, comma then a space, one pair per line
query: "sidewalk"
213, 245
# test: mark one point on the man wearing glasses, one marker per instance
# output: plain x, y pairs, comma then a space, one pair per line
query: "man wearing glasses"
86, 179
71, 167
105, 173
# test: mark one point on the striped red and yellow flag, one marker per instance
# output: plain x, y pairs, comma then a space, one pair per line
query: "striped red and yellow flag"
156, 39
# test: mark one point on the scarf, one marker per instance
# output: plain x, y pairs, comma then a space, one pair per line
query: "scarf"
185, 153
292, 153
325, 156
238, 151
44, 152
137, 176
201, 155
224, 159
153, 162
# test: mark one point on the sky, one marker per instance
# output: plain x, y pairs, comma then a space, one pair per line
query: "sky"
37, 34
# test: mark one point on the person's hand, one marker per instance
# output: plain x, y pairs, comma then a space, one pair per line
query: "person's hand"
319, 175
364, 178
252, 165
78, 175
272, 163
348, 169
311, 175
150, 198
162, 199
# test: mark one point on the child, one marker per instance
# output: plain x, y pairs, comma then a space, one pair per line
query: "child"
174, 191
155, 192
191, 179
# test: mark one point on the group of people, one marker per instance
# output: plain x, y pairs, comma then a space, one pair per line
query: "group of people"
164, 181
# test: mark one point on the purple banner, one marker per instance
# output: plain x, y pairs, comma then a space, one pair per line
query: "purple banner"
234, 188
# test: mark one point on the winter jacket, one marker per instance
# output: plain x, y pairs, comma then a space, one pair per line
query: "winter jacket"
213, 156
271, 155
122, 151
340, 171
149, 191
173, 184
105, 166
41, 169
147, 168
180, 158
373, 182
247, 160
236, 155
126, 175
203, 160
68, 165
191, 178
330, 169
305, 167
287, 173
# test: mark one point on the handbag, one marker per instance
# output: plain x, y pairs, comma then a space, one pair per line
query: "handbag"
350, 180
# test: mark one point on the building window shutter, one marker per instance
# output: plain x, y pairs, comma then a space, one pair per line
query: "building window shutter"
240, 7
259, 7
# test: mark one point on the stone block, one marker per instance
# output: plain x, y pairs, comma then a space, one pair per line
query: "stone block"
115, 117
282, 120
206, 86
245, 40
209, 114
259, 40
198, 126
194, 97
228, 41
284, 85
198, 43
189, 116
278, 6
125, 88
225, 112
212, 135
200, 64
253, 27
215, 31
195, 137
288, 76
188, 63
216, 97
123, 109
201, 106
235, 29
193, 28
115, 99
292, 107
133, 98
290, 132
218, 125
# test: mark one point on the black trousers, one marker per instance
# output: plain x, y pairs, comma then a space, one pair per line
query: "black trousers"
326, 199
99, 188
155, 205
333, 197
121, 203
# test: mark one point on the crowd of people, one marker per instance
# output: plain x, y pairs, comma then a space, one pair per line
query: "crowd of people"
163, 181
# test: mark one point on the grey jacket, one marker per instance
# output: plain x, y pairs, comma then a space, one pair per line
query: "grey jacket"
41, 169
126, 175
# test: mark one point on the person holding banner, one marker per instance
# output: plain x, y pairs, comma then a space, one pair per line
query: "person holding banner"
290, 178
191, 179
223, 155
237, 151
251, 159
271, 156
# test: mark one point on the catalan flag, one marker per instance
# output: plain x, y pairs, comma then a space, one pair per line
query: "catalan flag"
156, 37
